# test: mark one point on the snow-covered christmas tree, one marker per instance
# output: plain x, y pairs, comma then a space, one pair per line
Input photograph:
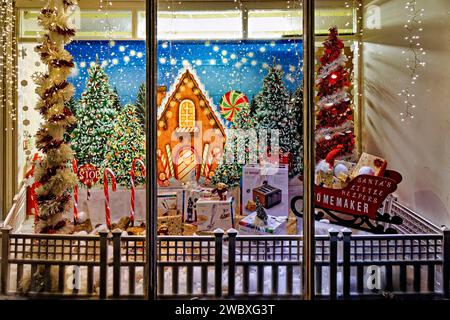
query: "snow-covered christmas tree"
140, 104
237, 150
272, 109
126, 143
95, 116
117, 105
334, 116
296, 133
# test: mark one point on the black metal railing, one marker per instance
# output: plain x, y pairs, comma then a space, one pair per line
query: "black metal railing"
224, 265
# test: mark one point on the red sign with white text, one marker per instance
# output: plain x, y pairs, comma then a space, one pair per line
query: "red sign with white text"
362, 196
88, 175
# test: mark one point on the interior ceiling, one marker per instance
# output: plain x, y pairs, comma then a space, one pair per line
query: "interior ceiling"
196, 4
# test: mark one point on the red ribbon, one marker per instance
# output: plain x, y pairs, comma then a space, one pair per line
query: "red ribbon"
106, 191
133, 191
75, 191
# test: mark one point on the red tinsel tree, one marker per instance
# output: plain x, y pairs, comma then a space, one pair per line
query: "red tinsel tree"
334, 111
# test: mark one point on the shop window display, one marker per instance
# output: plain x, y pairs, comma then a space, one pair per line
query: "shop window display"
229, 130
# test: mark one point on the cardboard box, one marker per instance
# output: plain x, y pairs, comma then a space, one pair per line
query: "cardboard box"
169, 226
270, 183
367, 160
213, 214
274, 226
167, 203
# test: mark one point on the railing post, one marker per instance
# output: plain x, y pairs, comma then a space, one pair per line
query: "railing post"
232, 233
446, 263
103, 264
5, 260
347, 235
116, 263
333, 262
218, 233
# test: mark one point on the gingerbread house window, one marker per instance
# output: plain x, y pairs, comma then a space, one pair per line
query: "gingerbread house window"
187, 114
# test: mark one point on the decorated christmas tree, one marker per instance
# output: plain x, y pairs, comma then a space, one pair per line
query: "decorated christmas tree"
126, 143
334, 117
117, 105
272, 109
140, 104
95, 119
296, 133
52, 172
72, 105
237, 150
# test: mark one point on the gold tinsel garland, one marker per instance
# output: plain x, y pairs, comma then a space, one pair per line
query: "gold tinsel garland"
55, 177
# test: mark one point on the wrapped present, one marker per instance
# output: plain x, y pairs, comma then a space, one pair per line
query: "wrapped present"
369, 164
324, 179
213, 214
169, 226
251, 224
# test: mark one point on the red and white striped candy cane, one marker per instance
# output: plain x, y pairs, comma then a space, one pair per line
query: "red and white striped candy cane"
213, 154
106, 191
164, 163
133, 191
75, 191
33, 187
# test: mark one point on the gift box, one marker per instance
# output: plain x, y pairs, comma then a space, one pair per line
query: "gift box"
169, 226
324, 179
213, 214
376, 164
251, 225
268, 183
167, 204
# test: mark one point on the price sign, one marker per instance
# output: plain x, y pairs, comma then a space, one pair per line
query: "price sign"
88, 175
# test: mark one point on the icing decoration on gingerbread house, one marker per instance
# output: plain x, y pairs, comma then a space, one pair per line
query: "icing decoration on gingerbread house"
191, 134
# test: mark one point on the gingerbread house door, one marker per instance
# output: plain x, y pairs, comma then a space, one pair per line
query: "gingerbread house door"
187, 160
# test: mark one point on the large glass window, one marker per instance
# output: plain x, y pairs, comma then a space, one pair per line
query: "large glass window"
102, 24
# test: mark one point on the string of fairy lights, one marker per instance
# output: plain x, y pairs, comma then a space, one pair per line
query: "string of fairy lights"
7, 59
413, 56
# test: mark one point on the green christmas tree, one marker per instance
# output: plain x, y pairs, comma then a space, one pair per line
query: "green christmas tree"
95, 116
127, 143
117, 105
237, 150
296, 133
72, 105
272, 108
140, 104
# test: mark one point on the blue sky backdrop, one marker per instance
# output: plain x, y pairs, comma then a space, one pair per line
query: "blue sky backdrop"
221, 65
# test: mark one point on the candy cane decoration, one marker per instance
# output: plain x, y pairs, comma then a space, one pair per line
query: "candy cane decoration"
164, 163
33, 187
75, 192
169, 155
133, 177
204, 157
213, 154
105, 189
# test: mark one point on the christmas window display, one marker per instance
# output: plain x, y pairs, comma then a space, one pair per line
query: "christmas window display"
214, 98
110, 134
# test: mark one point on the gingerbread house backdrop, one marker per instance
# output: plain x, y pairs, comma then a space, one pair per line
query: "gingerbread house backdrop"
191, 134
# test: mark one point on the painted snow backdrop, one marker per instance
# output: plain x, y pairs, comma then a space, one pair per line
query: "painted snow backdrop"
221, 65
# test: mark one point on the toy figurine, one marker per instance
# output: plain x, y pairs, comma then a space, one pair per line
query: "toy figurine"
260, 212
221, 189
190, 211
